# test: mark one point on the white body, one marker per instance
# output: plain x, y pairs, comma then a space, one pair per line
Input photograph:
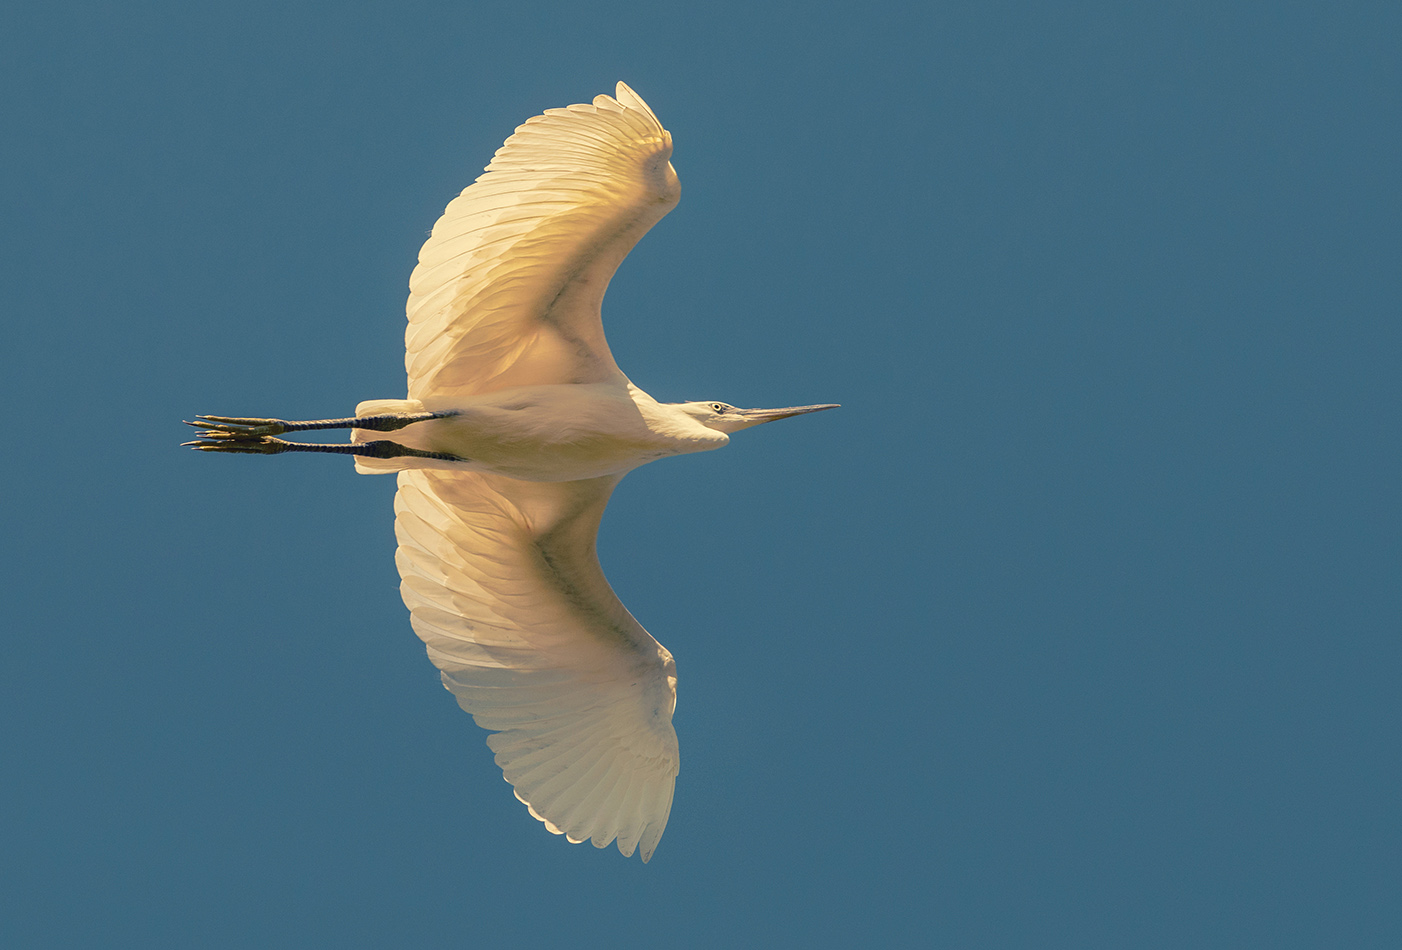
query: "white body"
547, 433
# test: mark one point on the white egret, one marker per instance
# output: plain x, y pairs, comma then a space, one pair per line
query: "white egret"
517, 428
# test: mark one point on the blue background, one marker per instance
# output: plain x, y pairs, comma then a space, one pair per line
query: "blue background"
1076, 627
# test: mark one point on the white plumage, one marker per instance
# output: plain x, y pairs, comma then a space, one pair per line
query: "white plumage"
508, 288
517, 426
503, 586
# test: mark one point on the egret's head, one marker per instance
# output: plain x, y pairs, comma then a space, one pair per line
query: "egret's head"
724, 417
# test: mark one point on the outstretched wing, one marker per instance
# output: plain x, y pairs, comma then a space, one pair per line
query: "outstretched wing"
508, 288
504, 586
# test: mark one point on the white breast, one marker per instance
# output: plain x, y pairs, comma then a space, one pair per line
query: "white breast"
560, 432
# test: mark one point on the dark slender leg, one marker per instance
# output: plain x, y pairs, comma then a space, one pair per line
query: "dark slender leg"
266, 445
255, 436
236, 426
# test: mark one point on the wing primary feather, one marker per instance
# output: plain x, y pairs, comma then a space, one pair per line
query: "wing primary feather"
610, 810
571, 810
557, 777
657, 823
630, 828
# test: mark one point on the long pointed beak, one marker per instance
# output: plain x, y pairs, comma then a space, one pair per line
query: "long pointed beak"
755, 416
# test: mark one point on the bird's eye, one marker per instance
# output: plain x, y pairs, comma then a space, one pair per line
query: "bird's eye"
719, 406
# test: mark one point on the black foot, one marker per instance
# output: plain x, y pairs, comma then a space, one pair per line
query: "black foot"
238, 428
212, 441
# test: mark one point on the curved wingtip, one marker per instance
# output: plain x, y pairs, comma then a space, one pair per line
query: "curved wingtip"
630, 99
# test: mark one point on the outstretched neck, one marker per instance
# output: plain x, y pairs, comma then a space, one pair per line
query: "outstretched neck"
679, 430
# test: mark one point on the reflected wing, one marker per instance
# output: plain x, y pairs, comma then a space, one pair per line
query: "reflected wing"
508, 288
504, 587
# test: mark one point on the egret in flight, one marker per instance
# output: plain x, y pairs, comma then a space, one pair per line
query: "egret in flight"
517, 428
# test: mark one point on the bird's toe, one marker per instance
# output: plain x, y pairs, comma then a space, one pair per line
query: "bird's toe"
236, 426
212, 441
